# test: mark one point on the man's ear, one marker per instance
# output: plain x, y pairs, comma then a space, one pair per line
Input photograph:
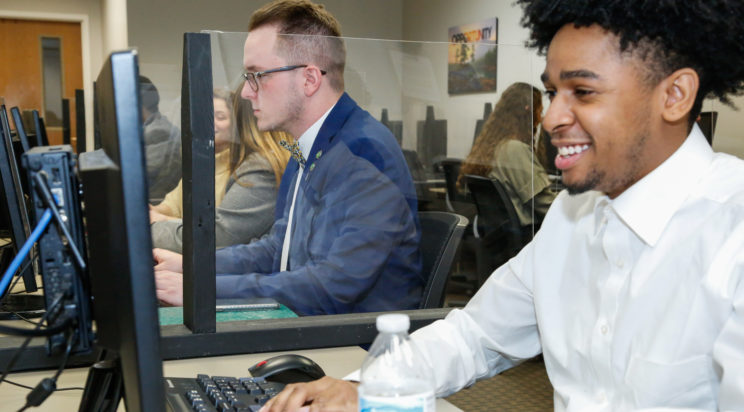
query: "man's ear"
312, 80
680, 90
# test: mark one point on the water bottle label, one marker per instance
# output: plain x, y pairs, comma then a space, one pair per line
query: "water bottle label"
422, 402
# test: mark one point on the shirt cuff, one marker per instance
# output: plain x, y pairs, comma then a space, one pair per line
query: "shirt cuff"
353, 376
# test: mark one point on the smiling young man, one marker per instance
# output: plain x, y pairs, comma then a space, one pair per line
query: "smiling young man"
633, 289
346, 235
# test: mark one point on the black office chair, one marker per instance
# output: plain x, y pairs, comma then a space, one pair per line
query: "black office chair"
440, 235
499, 232
420, 179
451, 169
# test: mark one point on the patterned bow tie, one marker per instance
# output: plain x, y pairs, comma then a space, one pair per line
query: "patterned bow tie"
294, 148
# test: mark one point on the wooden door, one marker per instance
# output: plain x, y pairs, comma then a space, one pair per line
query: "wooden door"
22, 73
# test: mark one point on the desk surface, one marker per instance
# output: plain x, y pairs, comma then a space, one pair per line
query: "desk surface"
337, 362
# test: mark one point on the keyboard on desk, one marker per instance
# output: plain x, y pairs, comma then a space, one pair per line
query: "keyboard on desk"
219, 393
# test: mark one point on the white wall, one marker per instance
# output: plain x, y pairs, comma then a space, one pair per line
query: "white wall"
114, 16
156, 29
429, 20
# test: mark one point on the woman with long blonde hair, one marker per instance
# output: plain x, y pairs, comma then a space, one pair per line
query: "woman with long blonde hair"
248, 168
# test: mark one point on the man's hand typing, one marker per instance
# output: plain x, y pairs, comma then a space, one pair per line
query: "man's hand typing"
169, 287
324, 394
167, 260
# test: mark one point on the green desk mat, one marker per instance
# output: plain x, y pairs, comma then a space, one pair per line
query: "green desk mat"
174, 315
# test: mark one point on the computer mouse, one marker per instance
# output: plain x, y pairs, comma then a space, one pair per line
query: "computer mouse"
286, 369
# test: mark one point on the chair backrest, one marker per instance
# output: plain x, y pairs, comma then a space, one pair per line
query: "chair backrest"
440, 235
497, 218
451, 169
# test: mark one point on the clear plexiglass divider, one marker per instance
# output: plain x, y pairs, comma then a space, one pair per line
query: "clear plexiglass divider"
440, 101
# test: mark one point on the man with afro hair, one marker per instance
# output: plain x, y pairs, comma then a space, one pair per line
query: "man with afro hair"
633, 289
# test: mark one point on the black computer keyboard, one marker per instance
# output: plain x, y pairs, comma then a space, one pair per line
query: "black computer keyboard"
219, 393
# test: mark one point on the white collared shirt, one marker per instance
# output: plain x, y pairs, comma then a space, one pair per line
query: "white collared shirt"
636, 302
305, 142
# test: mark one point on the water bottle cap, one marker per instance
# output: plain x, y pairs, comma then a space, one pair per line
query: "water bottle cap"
393, 323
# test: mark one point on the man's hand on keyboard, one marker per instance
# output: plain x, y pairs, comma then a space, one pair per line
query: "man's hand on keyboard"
325, 394
167, 260
169, 287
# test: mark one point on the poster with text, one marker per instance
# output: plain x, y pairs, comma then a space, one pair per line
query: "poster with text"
472, 57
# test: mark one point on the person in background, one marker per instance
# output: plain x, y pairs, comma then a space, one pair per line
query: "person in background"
248, 168
504, 151
347, 234
633, 289
162, 144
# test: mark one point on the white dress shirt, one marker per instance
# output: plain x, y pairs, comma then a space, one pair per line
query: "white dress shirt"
305, 142
636, 302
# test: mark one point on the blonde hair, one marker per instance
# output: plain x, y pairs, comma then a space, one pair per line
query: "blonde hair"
251, 140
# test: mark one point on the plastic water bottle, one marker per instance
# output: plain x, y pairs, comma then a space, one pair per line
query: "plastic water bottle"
395, 377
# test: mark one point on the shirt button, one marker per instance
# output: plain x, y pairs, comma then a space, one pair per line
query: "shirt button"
601, 397
604, 329
620, 263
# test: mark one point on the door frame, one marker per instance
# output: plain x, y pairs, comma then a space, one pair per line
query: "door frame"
85, 40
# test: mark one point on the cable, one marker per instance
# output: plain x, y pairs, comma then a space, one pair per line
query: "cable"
17, 354
70, 388
70, 340
23, 318
35, 235
35, 333
23, 269
18, 384
42, 189
47, 386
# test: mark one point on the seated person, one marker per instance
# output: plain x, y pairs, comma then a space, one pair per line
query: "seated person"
504, 151
248, 169
633, 290
162, 144
347, 236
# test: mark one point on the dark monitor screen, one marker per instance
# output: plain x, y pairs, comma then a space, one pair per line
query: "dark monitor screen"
118, 235
80, 120
41, 136
14, 204
707, 123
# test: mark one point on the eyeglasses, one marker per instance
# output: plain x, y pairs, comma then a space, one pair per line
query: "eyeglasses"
253, 77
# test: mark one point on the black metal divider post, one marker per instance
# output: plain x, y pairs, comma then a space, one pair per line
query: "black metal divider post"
197, 142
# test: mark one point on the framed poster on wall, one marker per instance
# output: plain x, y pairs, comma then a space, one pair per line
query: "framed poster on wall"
472, 57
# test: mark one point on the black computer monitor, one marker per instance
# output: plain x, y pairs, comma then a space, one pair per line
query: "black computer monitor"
16, 215
431, 135
395, 126
487, 109
41, 135
118, 235
20, 130
80, 120
66, 121
707, 123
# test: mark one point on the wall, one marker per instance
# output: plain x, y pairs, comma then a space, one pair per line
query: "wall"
156, 30
88, 12
114, 16
429, 20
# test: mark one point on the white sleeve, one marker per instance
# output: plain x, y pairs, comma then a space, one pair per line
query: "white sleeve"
728, 350
495, 331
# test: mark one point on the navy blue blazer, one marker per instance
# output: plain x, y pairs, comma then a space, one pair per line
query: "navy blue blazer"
355, 236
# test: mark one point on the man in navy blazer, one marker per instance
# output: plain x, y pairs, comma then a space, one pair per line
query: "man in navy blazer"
347, 239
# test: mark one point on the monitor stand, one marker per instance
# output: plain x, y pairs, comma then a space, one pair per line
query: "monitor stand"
20, 306
104, 388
